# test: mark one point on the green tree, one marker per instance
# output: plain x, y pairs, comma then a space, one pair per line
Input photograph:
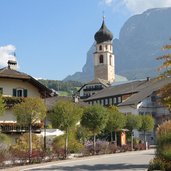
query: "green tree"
166, 72
94, 118
83, 133
2, 106
116, 121
30, 112
4, 147
147, 124
65, 115
133, 122
74, 145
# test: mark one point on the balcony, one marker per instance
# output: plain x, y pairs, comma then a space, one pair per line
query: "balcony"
92, 88
11, 101
16, 128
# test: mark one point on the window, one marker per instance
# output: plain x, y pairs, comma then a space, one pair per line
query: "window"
153, 98
110, 60
119, 100
106, 101
106, 47
20, 92
1, 91
153, 114
110, 101
101, 59
141, 113
114, 100
102, 102
100, 47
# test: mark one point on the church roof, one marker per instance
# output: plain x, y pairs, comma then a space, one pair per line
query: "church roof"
103, 34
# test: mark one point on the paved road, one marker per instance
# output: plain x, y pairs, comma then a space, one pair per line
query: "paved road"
130, 161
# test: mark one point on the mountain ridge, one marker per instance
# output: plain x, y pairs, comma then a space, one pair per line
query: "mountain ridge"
140, 41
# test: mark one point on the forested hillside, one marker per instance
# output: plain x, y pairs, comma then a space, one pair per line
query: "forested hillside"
63, 88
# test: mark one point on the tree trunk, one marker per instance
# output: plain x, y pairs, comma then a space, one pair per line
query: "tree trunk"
145, 143
144, 136
111, 134
30, 142
116, 139
94, 144
132, 145
45, 134
66, 143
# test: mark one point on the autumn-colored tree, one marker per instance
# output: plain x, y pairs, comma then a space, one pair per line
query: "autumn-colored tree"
94, 119
65, 115
22, 145
116, 121
29, 112
166, 72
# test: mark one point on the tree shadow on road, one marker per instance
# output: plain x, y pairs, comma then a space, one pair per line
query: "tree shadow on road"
94, 167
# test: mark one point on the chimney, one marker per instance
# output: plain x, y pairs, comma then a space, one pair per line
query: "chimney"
148, 78
12, 64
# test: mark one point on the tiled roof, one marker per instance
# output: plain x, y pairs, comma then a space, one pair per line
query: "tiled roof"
50, 102
99, 80
14, 74
146, 90
96, 81
139, 89
10, 73
118, 89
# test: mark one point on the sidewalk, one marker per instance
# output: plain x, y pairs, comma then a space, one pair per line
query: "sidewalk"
20, 168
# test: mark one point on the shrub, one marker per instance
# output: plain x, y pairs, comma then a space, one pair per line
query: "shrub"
156, 164
22, 144
101, 147
74, 145
112, 148
125, 148
162, 160
164, 141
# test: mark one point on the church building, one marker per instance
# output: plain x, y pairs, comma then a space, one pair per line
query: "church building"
104, 67
104, 57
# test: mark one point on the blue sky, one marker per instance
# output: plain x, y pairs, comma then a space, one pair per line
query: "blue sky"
51, 37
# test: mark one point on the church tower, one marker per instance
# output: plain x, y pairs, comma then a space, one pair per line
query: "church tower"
103, 57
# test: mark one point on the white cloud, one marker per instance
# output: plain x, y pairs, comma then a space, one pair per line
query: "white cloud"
6, 53
108, 2
137, 6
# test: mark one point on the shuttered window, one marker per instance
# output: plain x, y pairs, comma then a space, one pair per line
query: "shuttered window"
14, 92
1, 90
25, 92
20, 92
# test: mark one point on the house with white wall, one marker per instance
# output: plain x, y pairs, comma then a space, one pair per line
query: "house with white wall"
137, 97
14, 86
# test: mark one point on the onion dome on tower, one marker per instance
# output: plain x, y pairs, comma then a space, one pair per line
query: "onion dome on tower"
103, 34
